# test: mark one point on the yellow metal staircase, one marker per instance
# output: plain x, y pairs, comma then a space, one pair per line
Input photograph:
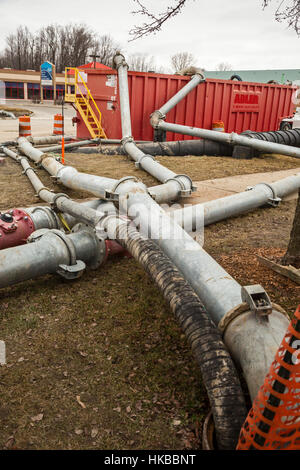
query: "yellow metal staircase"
77, 92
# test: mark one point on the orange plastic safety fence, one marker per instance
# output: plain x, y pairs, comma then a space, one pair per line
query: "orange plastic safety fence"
273, 423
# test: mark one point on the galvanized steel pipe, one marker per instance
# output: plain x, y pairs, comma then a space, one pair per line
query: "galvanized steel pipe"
236, 204
231, 139
146, 162
46, 255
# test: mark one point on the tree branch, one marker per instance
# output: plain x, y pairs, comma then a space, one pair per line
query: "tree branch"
155, 22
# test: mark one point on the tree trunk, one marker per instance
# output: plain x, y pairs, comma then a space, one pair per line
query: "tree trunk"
292, 255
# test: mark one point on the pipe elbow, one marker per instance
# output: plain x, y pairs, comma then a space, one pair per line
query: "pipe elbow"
155, 118
119, 60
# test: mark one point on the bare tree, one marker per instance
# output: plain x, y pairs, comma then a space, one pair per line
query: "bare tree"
155, 21
292, 255
288, 10
105, 47
182, 60
223, 66
68, 45
141, 62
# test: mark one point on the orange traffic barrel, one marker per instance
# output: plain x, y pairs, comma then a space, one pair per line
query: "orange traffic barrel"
58, 124
24, 126
218, 126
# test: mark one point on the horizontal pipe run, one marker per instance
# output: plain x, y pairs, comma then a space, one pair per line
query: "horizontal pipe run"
72, 145
61, 201
231, 139
44, 256
172, 149
67, 175
236, 204
51, 139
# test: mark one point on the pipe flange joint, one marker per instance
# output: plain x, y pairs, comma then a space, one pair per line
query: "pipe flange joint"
240, 310
24, 172
99, 243
69, 244
156, 117
39, 163
273, 201
127, 140
112, 195
119, 60
55, 198
75, 268
43, 188
184, 190
51, 216
139, 163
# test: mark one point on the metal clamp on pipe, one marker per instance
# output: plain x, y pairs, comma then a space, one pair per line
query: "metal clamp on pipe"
39, 163
75, 268
185, 189
257, 299
57, 196
40, 213
156, 117
139, 163
113, 195
24, 172
43, 188
274, 200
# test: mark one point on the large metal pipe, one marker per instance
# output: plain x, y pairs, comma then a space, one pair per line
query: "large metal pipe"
175, 99
60, 201
51, 251
231, 139
180, 183
219, 292
236, 204
67, 175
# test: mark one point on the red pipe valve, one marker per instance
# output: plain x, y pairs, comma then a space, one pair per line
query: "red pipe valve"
15, 227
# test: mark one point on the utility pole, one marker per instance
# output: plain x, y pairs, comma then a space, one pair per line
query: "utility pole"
94, 57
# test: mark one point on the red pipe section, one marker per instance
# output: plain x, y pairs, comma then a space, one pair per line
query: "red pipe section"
15, 227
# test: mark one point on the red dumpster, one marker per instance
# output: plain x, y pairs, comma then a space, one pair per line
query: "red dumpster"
240, 105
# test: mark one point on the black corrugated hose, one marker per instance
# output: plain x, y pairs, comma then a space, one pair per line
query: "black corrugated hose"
290, 137
217, 368
177, 148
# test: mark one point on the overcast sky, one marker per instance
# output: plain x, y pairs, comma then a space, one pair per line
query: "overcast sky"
235, 31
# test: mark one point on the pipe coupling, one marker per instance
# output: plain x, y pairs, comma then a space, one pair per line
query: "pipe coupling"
42, 216
119, 60
55, 198
156, 117
139, 163
185, 184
